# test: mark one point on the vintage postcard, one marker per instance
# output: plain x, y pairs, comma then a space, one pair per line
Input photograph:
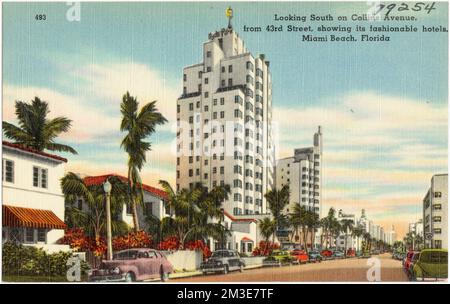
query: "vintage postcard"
249, 142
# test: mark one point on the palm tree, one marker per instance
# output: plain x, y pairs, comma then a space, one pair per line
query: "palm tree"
312, 222
194, 211
347, 226
35, 130
138, 125
357, 232
93, 219
296, 219
277, 200
267, 228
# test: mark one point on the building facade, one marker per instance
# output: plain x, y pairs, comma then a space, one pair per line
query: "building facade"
303, 173
32, 202
155, 202
435, 210
224, 129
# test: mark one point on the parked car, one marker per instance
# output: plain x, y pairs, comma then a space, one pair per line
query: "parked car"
338, 254
223, 261
314, 256
351, 252
432, 264
300, 256
133, 265
326, 253
278, 257
408, 260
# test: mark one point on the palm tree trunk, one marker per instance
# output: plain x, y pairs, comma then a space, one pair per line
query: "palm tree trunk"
135, 215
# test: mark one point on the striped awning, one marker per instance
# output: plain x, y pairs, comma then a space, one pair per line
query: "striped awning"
32, 218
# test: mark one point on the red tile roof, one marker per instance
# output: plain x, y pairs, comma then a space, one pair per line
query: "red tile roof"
33, 151
31, 218
238, 219
100, 179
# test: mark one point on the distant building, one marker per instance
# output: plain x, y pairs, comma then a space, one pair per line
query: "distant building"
351, 240
303, 173
435, 210
32, 202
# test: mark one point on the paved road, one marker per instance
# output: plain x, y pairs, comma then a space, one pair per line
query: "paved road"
347, 270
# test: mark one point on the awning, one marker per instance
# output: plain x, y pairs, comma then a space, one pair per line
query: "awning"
31, 218
246, 240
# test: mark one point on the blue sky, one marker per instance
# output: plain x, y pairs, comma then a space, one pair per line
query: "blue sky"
383, 106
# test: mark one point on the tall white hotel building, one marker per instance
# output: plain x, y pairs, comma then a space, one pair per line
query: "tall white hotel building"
303, 173
224, 130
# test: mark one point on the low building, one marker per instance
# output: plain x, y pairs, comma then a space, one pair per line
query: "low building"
435, 208
244, 235
32, 202
155, 201
341, 239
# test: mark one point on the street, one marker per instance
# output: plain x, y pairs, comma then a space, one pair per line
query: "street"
350, 270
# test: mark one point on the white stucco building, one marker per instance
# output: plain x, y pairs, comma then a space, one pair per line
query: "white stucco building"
435, 213
155, 201
224, 129
303, 173
32, 202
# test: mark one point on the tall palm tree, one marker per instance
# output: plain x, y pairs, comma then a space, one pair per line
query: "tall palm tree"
93, 218
312, 222
347, 226
277, 200
138, 125
296, 219
35, 130
357, 232
267, 228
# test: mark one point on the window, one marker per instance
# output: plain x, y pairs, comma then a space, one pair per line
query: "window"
191, 106
230, 82
178, 108
223, 69
222, 83
191, 159
437, 207
184, 77
208, 54
16, 235
230, 68
238, 99
206, 80
215, 101
191, 119
41, 235
40, 177
222, 170
222, 101
198, 105
29, 235
222, 114
200, 74
437, 219
8, 170
206, 94
249, 79
208, 69
437, 244
437, 230
191, 172
437, 194
249, 65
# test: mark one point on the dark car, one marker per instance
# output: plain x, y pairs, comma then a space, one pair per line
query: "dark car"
314, 256
134, 265
223, 261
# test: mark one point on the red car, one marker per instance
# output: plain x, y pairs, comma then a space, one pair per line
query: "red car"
134, 265
408, 260
327, 253
351, 252
299, 256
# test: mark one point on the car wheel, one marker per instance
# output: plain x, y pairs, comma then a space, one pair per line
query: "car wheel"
130, 277
225, 269
164, 275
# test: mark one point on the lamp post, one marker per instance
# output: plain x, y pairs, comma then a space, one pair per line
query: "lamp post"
107, 188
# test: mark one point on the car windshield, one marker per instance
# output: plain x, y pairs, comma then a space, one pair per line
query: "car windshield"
126, 255
221, 254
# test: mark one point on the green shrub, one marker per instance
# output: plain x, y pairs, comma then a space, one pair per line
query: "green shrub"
32, 261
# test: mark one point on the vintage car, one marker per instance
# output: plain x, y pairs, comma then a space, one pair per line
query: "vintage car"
326, 254
278, 258
314, 256
351, 252
432, 264
131, 265
410, 269
299, 256
223, 261
338, 254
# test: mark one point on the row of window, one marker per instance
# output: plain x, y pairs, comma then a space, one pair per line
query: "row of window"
27, 235
40, 175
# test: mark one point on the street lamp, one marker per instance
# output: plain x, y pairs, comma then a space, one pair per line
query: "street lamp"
107, 188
